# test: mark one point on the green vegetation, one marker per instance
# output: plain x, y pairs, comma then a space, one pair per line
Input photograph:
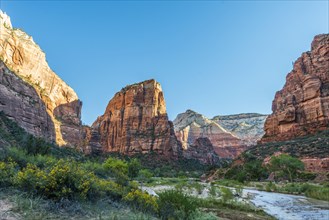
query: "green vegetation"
23, 205
42, 170
315, 191
251, 170
174, 204
286, 166
315, 145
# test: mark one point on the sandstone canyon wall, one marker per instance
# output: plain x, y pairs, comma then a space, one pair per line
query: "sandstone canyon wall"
135, 121
31, 93
301, 107
190, 126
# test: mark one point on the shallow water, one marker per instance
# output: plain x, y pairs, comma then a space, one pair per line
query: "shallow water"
278, 205
290, 207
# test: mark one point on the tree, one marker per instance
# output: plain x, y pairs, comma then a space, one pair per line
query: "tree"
119, 169
286, 165
144, 176
134, 167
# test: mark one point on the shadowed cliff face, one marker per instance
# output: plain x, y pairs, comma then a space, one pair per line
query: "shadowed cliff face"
20, 101
24, 57
135, 121
69, 115
203, 151
302, 106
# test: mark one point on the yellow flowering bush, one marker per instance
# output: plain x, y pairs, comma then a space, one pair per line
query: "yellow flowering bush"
31, 178
7, 172
66, 180
142, 201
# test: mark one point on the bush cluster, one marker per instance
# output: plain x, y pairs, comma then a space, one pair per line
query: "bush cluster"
142, 201
175, 204
7, 172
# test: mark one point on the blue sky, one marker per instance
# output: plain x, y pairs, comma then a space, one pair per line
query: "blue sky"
213, 57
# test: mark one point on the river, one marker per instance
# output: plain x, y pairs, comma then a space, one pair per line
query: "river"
278, 205
290, 207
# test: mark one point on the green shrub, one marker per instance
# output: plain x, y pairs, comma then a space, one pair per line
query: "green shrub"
67, 180
175, 204
213, 191
239, 190
286, 166
101, 188
96, 168
19, 155
7, 172
134, 167
142, 201
306, 176
144, 175
32, 179
318, 192
198, 187
36, 146
119, 169
198, 215
226, 194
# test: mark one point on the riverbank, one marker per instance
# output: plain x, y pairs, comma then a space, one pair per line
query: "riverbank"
278, 205
308, 189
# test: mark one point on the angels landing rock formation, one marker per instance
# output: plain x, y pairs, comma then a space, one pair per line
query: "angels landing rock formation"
135, 121
190, 126
302, 106
31, 93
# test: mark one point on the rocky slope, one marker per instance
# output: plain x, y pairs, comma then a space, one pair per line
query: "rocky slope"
190, 126
302, 106
203, 151
249, 127
312, 149
135, 121
31, 93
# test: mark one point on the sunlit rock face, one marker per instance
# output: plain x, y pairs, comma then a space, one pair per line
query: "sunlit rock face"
190, 126
302, 106
249, 127
135, 121
54, 111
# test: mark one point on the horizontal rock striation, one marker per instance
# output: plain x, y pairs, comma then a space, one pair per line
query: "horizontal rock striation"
248, 127
135, 121
302, 106
23, 56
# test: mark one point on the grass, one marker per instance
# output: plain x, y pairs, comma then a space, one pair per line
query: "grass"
225, 209
315, 191
26, 206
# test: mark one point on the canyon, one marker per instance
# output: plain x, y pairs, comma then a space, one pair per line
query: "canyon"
135, 120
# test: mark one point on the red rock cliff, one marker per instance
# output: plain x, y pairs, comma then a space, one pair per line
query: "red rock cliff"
31, 93
135, 121
302, 106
